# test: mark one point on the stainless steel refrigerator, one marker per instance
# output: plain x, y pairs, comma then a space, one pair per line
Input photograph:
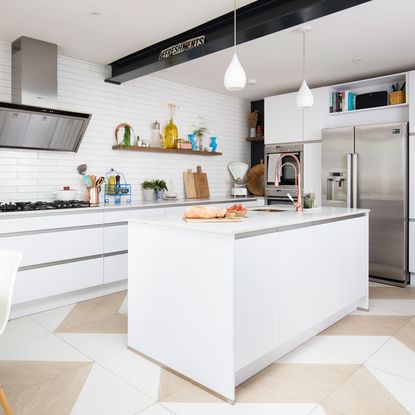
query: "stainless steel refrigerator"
367, 167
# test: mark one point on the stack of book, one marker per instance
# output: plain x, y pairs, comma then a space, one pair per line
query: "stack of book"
342, 101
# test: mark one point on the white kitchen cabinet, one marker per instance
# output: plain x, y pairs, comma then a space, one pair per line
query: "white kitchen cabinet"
283, 119
44, 247
411, 100
115, 238
412, 176
123, 215
115, 268
285, 122
44, 282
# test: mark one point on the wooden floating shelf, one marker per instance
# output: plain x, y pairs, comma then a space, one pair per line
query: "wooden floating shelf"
166, 150
254, 139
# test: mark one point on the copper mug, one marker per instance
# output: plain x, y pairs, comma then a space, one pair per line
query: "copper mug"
93, 196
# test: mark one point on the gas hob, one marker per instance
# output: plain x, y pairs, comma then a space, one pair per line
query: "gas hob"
30, 206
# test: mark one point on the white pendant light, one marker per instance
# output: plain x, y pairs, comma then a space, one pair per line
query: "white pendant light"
304, 96
235, 78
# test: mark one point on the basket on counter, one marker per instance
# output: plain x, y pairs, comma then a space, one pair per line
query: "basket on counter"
397, 97
117, 191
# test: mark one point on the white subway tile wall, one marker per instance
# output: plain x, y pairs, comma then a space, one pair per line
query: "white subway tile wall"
35, 175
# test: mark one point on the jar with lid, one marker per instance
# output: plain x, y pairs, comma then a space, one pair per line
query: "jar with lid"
155, 138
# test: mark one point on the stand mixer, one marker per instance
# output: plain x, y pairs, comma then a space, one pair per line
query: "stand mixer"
238, 172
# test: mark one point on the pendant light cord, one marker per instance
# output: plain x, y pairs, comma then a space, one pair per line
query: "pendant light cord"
304, 55
234, 24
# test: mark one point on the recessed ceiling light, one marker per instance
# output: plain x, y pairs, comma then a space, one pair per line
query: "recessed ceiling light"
252, 81
95, 13
357, 60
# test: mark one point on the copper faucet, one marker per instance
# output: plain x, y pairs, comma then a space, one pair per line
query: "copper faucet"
299, 204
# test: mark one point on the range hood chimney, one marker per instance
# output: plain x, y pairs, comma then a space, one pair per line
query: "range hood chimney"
30, 121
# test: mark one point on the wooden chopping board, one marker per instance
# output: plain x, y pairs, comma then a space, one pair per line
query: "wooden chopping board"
201, 183
189, 184
214, 220
255, 181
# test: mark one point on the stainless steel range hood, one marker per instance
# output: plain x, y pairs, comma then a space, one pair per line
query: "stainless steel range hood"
24, 123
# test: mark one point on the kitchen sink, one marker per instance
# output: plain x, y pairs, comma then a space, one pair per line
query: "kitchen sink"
269, 210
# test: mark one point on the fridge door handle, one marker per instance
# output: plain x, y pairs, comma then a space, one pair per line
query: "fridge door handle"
355, 174
349, 180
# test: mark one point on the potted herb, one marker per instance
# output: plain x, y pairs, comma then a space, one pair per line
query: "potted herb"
199, 132
148, 190
308, 201
159, 187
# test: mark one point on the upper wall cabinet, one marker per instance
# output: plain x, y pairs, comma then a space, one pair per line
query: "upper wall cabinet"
284, 121
411, 101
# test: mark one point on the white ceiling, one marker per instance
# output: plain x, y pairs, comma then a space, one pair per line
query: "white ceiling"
123, 27
382, 32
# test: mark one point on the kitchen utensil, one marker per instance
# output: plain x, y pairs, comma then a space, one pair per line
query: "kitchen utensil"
82, 168
189, 184
87, 181
255, 179
93, 180
215, 220
66, 194
201, 184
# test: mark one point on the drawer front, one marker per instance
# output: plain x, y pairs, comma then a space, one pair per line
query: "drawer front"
125, 214
115, 238
115, 268
44, 282
56, 220
47, 247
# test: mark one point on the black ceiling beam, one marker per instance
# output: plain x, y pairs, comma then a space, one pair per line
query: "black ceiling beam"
254, 20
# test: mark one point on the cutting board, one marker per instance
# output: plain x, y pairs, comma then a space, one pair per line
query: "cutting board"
201, 183
255, 180
189, 184
215, 220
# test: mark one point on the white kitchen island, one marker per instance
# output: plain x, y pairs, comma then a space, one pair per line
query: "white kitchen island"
216, 303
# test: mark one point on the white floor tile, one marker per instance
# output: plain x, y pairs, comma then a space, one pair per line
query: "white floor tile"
20, 330
308, 353
155, 409
318, 411
355, 348
124, 306
139, 372
406, 307
51, 319
240, 409
394, 357
106, 394
96, 345
376, 310
402, 389
46, 348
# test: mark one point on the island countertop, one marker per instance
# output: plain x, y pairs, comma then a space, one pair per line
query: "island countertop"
257, 222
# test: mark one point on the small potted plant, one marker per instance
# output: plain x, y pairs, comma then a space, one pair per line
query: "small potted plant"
199, 132
159, 187
148, 190
309, 199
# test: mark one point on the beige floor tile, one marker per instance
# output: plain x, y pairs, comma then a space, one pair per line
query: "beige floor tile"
190, 393
391, 293
51, 397
112, 302
360, 325
362, 394
294, 383
406, 334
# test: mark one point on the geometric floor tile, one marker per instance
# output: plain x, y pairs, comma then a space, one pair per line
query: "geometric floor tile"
124, 306
106, 394
354, 348
402, 389
406, 334
96, 346
52, 318
395, 293
358, 325
362, 394
156, 409
47, 348
376, 310
395, 358
294, 383
144, 375
403, 306
20, 330
55, 394
99, 315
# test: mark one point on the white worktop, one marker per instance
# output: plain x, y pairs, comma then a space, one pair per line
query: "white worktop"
141, 204
256, 221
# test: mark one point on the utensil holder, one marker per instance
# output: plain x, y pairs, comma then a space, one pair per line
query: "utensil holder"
93, 193
397, 97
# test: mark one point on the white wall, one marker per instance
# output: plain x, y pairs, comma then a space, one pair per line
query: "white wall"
33, 175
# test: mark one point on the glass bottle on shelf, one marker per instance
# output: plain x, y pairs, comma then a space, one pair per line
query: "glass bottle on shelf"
171, 132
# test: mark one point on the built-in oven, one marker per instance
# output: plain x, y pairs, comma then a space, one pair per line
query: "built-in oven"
281, 160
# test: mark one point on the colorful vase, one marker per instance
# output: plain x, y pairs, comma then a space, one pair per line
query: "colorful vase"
192, 140
213, 144
171, 133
